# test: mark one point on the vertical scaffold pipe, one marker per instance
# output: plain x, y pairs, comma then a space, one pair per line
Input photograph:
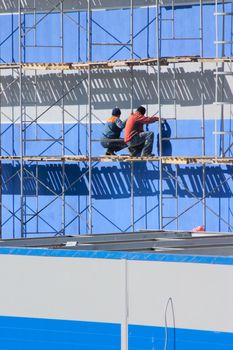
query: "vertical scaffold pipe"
203, 119
63, 119
159, 109
90, 121
222, 127
216, 76
21, 122
131, 107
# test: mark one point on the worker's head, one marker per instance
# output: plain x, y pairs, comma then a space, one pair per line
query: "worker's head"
116, 112
141, 110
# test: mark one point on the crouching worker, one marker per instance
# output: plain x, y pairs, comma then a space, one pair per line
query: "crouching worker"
139, 142
111, 135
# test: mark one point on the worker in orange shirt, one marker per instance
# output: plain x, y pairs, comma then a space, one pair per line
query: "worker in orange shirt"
139, 142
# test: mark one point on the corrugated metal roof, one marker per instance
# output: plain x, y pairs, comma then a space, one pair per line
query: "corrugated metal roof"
152, 242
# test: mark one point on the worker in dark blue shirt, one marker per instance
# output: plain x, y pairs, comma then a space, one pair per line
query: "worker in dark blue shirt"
111, 135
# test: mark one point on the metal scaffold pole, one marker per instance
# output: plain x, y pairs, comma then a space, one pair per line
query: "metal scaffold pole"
131, 108
175, 118
21, 123
216, 78
89, 92
203, 119
222, 122
63, 221
158, 43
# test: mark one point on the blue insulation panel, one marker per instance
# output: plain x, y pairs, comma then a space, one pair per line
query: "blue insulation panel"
148, 338
35, 333
28, 333
111, 181
106, 28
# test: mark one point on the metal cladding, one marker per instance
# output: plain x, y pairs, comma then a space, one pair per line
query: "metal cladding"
94, 298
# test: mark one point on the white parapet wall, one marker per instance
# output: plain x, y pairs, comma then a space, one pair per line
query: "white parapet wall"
117, 300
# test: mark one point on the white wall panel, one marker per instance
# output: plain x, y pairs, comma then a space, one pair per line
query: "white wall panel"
201, 295
94, 290
62, 288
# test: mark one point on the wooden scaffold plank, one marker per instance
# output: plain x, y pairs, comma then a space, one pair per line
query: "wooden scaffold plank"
122, 158
113, 64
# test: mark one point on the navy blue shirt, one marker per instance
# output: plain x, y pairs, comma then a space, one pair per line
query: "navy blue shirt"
113, 128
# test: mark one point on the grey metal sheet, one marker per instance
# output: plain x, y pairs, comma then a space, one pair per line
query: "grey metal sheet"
154, 245
94, 239
193, 242
213, 251
166, 242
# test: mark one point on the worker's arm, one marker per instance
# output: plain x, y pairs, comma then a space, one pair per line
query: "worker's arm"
147, 120
120, 123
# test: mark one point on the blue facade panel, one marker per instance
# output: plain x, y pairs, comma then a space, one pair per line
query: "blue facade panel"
106, 28
160, 338
33, 333
111, 181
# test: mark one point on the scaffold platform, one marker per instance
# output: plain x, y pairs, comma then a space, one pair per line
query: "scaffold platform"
163, 61
123, 158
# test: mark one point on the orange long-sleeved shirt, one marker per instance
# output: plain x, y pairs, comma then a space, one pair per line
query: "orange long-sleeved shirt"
134, 125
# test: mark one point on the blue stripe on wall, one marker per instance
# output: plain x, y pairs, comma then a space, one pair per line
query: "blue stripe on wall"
148, 338
194, 259
32, 333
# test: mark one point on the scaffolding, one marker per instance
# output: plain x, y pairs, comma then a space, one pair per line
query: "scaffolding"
29, 210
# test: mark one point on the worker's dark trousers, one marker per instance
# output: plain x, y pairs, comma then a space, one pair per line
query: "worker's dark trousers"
145, 139
114, 146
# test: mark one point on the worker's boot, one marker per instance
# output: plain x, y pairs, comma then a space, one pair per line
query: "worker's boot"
110, 153
132, 151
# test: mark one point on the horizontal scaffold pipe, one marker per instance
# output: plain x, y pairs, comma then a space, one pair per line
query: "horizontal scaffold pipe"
124, 158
